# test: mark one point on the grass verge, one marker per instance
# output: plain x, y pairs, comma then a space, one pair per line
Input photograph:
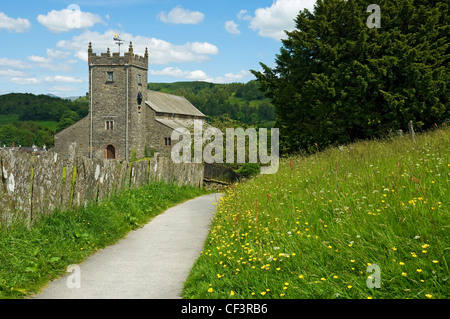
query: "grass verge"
325, 223
30, 258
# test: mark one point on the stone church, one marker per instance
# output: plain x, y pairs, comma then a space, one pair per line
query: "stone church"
125, 116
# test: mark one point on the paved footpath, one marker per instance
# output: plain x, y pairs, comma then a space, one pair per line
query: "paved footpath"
152, 262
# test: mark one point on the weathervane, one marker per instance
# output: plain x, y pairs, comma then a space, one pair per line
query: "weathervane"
119, 42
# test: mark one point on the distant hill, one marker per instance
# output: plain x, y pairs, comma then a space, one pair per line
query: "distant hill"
178, 87
241, 101
70, 98
27, 119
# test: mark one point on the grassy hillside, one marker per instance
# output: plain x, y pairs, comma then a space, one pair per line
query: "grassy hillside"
177, 87
313, 229
27, 119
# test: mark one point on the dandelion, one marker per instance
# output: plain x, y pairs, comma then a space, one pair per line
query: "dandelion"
335, 277
232, 293
210, 290
419, 270
263, 293
404, 274
435, 261
349, 286
428, 296
300, 276
401, 263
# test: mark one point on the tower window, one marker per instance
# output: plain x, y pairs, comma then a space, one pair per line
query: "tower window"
139, 79
110, 76
167, 141
109, 125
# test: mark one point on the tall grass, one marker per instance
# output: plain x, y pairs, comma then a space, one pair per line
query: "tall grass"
30, 258
313, 229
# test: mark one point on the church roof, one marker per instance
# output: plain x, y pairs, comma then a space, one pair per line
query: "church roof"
176, 124
172, 104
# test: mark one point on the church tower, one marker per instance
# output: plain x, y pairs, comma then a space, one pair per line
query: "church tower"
117, 95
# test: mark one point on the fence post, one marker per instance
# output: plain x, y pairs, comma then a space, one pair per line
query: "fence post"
412, 134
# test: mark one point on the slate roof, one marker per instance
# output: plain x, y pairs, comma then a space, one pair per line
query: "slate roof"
176, 124
171, 104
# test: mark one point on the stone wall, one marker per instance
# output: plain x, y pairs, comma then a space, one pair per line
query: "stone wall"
34, 186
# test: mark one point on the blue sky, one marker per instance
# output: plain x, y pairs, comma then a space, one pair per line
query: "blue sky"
44, 43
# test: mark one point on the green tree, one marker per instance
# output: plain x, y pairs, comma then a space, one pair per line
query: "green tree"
67, 119
337, 80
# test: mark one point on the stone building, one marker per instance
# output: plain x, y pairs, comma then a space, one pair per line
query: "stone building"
125, 116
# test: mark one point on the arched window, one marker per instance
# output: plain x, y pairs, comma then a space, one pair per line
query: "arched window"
110, 152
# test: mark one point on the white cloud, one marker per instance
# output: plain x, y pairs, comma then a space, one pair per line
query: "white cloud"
160, 51
178, 15
68, 19
63, 79
14, 25
60, 89
25, 81
232, 27
242, 15
38, 59
11, 72
15, 63
56, 54
272, 21
202, 48
56, 61
231, 77
196, 75
199, 75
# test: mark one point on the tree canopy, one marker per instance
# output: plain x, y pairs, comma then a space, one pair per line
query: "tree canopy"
336, 80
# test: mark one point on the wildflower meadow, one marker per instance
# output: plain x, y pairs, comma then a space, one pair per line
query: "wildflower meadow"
362, 221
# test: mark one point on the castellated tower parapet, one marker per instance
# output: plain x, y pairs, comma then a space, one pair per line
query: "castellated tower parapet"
116, 59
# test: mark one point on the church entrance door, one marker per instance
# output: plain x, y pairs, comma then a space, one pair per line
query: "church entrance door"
110, 152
